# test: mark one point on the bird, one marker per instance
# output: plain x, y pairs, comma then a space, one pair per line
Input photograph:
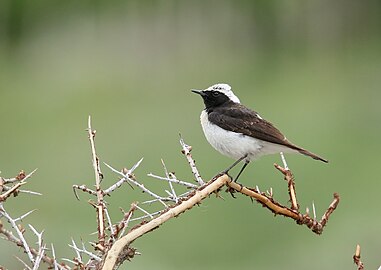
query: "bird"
238, 132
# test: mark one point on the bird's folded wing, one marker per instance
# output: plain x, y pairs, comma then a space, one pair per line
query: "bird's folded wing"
242, 120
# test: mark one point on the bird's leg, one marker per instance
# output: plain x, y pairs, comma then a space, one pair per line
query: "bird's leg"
233, 165
231, 190
243, 167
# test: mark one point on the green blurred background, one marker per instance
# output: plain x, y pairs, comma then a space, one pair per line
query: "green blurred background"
313, 68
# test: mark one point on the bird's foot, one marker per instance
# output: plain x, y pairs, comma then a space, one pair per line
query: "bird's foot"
231, 191
229, 188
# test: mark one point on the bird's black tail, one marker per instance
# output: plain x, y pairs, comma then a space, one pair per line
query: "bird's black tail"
308, 153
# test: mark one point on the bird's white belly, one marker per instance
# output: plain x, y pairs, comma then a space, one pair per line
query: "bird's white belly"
237, 145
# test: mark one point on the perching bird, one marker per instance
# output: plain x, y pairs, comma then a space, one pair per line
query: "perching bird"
239, 132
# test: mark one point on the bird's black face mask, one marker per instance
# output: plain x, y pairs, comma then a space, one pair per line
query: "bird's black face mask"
212, 98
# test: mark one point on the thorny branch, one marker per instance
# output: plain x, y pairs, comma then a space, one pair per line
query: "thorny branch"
98, 177
187, 152
16, 233
113, 245
114, 258
279, 209
19, 180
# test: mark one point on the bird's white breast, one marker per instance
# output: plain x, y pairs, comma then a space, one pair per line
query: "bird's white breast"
236, 145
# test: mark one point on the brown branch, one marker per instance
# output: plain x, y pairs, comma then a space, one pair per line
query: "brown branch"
279, 209
289, 177
265, 200
356, 258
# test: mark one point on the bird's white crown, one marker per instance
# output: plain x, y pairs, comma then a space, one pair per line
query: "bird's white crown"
225, 89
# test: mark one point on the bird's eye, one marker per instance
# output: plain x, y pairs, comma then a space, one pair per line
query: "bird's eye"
216, 94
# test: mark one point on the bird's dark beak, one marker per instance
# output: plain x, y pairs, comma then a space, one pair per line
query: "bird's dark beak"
200, 92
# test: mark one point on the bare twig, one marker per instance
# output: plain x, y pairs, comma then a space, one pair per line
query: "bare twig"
54, 258
109, 223
14, 239
84, 189
128, 173
24, 263
357, 257
284, 161
76, 249
24, 216
41, 248
83, 250
98, 176
24, 243
39, 257
289, 177
176, 181
12, 190
150, 215
123, 224
30, 192
172, 193
144, 211
21, 178
186, 150
127, 177
9, 235
314, 210
6, 188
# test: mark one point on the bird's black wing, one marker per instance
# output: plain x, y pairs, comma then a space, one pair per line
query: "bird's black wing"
240, 119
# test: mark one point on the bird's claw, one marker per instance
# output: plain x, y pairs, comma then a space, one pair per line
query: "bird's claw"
231, 191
